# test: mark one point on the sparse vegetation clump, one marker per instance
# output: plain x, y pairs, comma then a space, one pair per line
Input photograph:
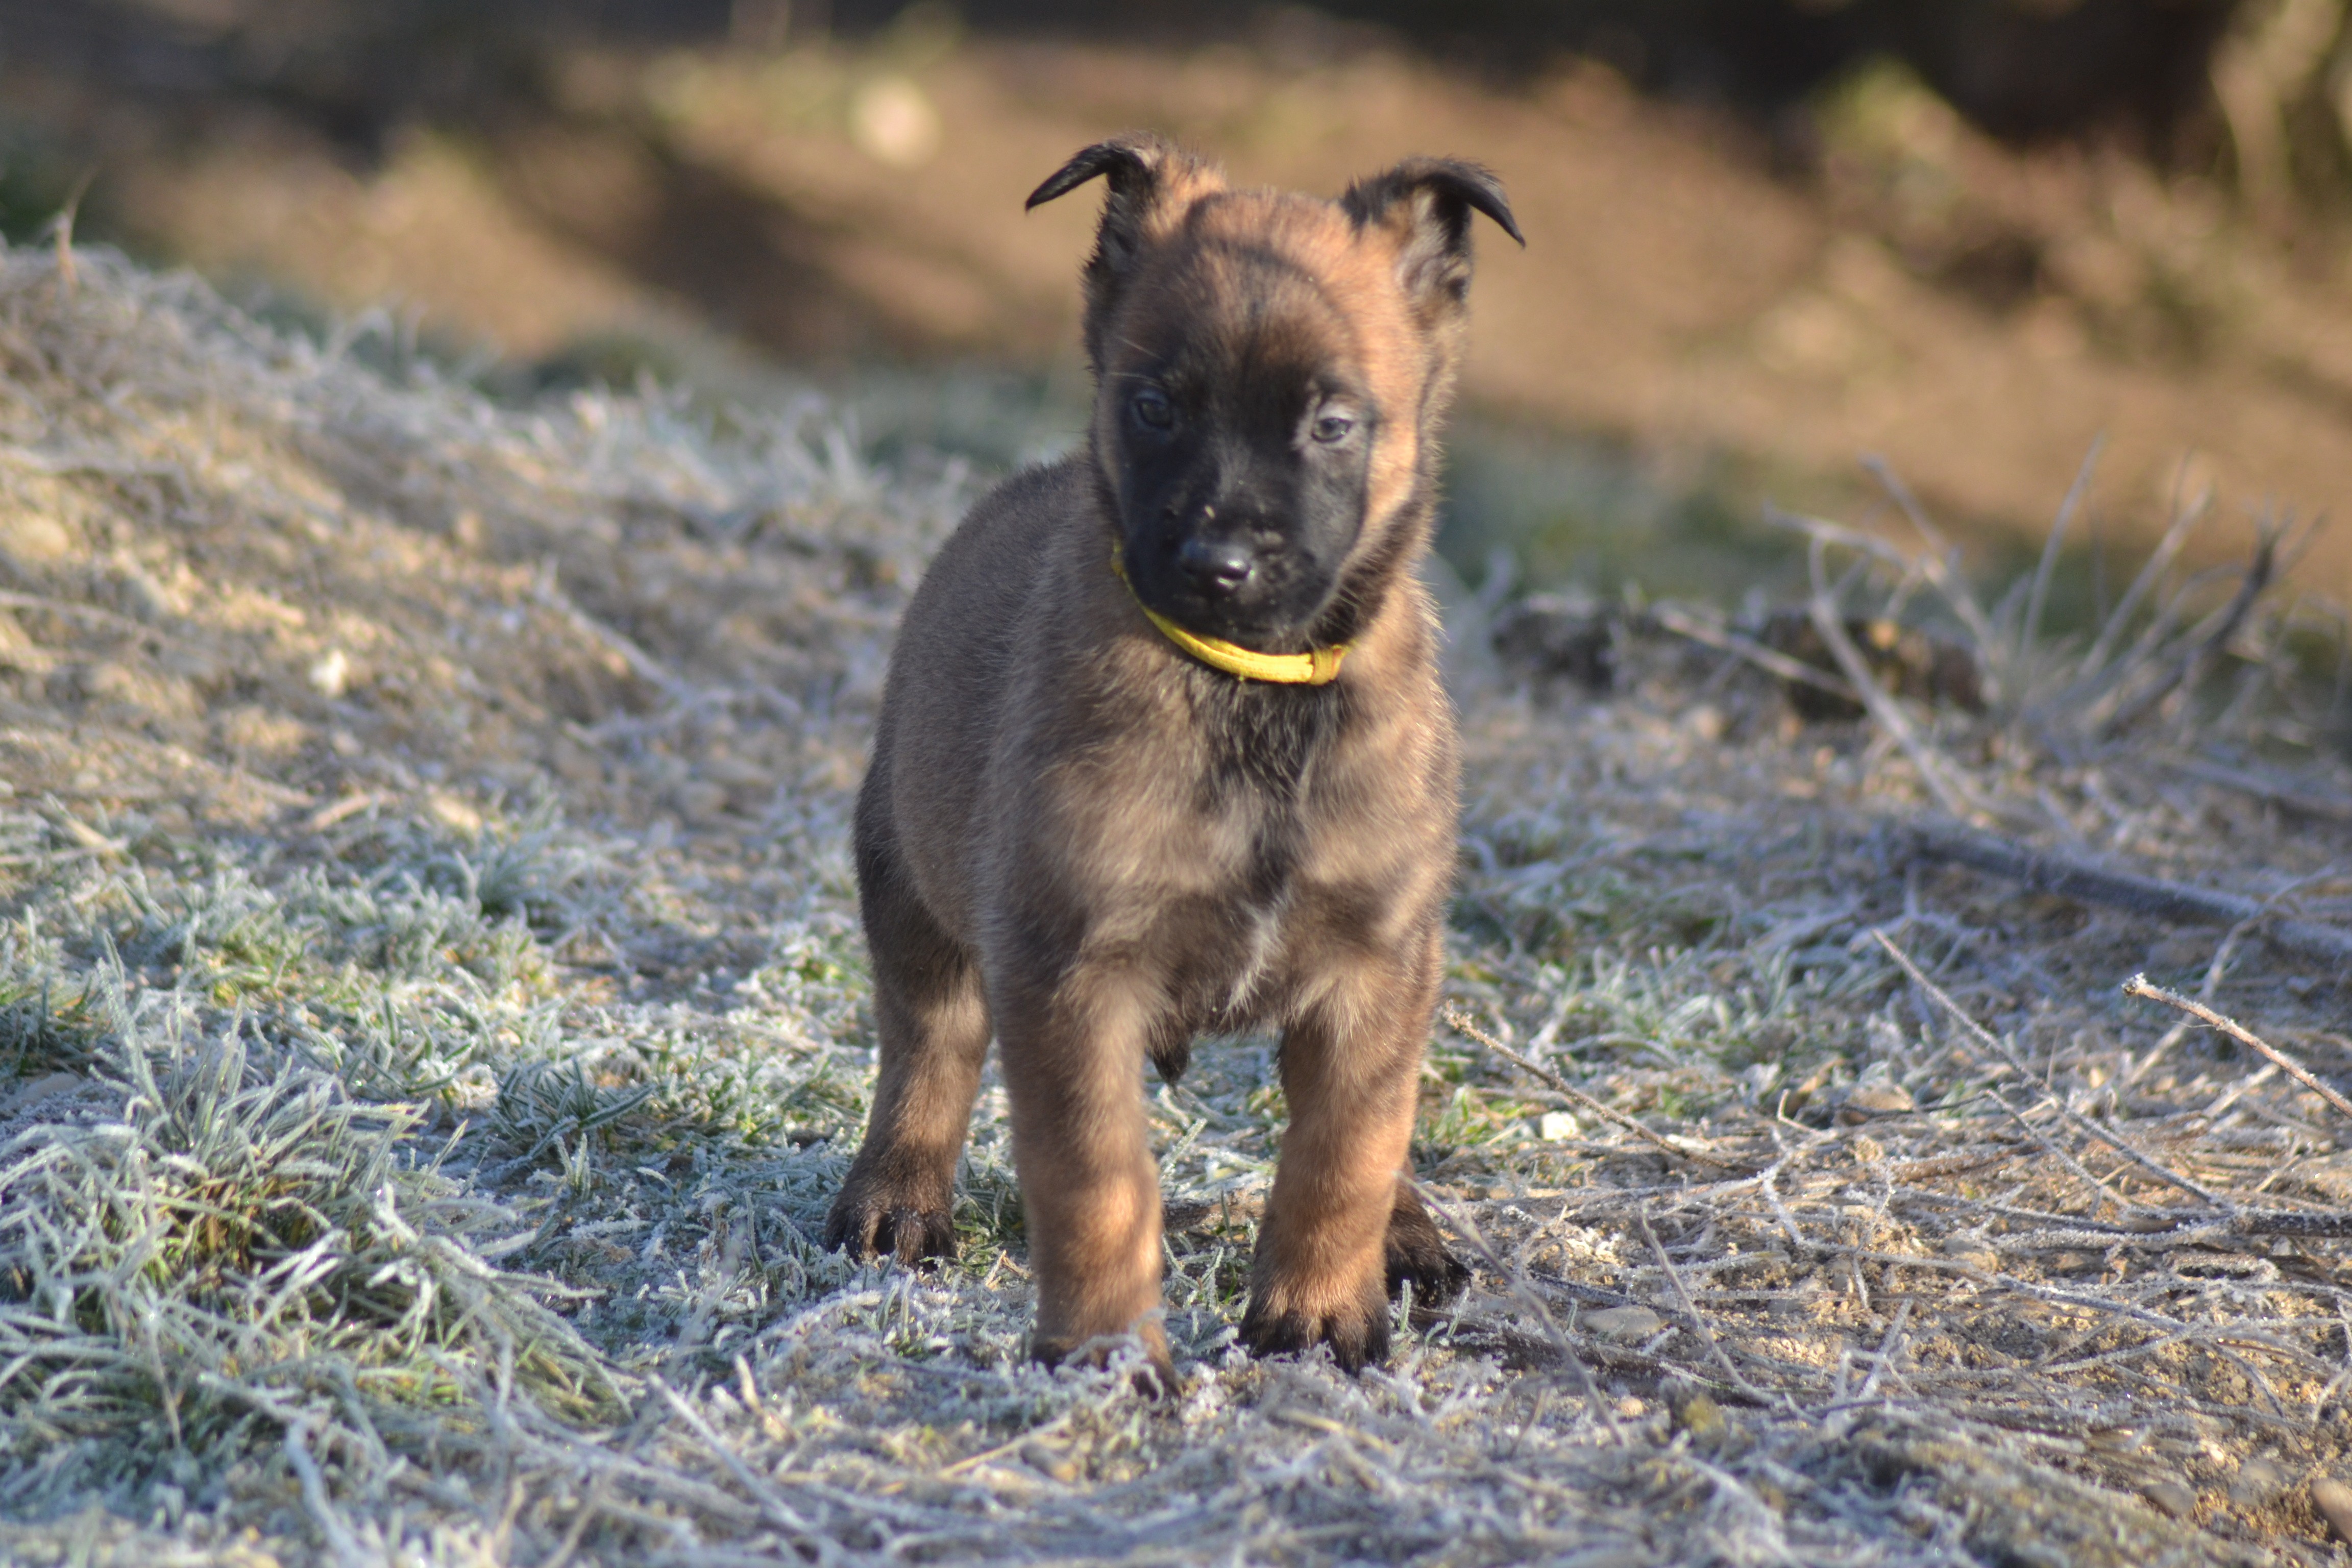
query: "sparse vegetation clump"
433, 1024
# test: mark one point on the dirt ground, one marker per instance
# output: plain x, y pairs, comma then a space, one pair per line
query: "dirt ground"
432, 1024
1880, 280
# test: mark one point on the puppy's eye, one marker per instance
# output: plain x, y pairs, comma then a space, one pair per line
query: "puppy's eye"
1332, 428
1152, 409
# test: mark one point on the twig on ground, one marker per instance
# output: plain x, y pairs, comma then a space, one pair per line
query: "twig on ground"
1772, 661
2185, 519
2080, 1122
2284, 796
1937, 773
643, 664
2193, 664
2031, 628
1468, 1228
1894, 1340
90, 613
1938, 564
1698, 1319
2046, 871
1462, 1023
2138, 986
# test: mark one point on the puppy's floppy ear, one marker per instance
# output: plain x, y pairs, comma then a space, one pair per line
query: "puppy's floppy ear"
1426, 204
1152, 182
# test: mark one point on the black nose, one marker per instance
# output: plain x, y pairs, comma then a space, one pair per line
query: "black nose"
1217, 567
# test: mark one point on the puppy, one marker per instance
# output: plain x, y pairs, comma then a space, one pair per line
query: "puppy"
1163, 750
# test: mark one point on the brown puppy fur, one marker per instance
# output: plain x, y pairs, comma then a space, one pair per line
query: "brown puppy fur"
1081, 839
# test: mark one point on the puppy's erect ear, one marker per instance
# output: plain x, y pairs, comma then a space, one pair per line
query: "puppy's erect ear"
1152, 182
1426, 204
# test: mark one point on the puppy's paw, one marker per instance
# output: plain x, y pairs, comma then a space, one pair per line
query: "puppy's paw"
1416, 1252
1357, 1330
891, 1214
1155, 1378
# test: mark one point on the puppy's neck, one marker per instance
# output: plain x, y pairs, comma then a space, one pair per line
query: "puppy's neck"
1367, 586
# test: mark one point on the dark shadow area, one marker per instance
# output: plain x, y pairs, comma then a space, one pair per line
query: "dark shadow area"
2023, 73
356, 72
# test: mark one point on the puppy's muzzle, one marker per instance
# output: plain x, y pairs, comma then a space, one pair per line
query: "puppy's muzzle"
1216, 568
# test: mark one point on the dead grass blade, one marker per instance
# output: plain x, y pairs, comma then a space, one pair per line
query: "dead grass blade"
2138, 985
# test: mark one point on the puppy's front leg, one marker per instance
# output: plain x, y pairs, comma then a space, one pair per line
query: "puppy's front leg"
1089, 1190
1350, 1064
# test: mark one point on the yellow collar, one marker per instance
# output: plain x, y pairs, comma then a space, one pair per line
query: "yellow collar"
1317, 666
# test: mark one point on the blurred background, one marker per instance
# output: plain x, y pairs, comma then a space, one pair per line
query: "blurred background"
1767, 238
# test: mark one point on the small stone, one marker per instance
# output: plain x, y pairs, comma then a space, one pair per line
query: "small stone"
1623, 1322
330, 673
34, 539
2333, 1499
2174, 1499
1865, 1101
1972, 1250
1558, 1127
1050, 1461
2257, 1482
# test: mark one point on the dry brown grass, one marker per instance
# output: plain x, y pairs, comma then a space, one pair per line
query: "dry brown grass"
467, 1032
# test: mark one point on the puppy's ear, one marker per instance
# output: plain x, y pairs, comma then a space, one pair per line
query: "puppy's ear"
1152, 181
1425, 204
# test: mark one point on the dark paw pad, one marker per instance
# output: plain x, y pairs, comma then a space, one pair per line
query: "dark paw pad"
1357, 1339
1416, 1252
877, 1217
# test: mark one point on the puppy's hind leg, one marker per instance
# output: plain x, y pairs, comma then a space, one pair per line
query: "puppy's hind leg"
1416, 1254
933, 1016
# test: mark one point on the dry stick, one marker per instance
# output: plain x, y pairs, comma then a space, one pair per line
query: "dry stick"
1698, 1319
90, 613
2192, 667
1955, 796
2138, 985
2286, 796
2180, 1031
2081, 1123
1894, 1340
1937, 565
68, 273
2184, 522
1770, 660
2047, 872
2031, 628
1462, 1022
1532, 1298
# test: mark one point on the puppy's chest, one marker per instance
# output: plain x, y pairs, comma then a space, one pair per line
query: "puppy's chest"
1263, 743
1260, 805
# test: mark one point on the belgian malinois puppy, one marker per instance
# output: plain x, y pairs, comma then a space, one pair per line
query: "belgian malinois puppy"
1163, 750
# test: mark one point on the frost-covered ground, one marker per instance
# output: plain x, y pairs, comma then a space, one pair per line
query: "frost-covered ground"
435, 1025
